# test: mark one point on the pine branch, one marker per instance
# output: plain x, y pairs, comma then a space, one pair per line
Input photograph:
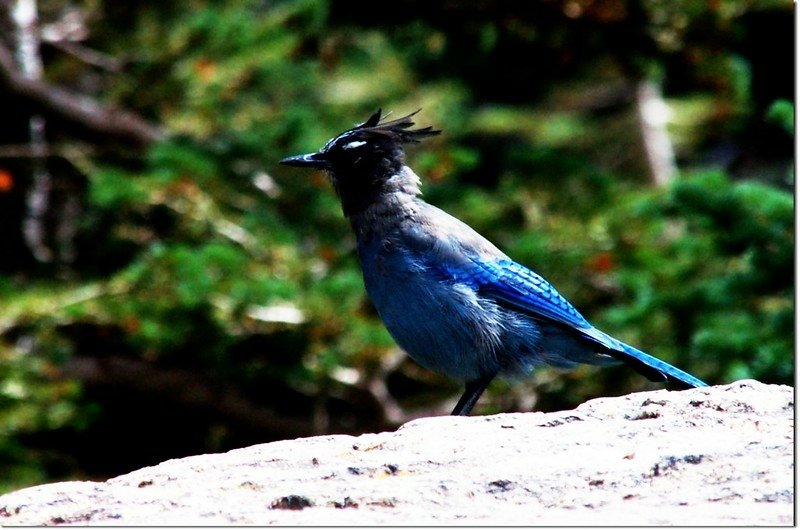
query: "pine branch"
100, 118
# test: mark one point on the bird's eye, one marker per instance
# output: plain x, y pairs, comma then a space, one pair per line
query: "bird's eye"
353, 145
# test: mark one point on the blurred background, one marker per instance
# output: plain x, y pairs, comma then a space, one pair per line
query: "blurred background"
166, 289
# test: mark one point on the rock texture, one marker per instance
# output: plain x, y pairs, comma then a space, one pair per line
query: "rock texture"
712, 456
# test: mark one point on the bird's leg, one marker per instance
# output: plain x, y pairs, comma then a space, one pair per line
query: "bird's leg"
471, 394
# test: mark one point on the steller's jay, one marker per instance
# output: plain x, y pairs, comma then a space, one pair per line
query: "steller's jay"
451, 299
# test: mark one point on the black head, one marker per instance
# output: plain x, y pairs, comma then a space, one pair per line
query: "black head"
362, 159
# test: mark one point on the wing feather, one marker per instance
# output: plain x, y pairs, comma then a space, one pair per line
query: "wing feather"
509, 282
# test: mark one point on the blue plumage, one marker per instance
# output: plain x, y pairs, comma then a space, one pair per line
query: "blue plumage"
510, 282
453, 301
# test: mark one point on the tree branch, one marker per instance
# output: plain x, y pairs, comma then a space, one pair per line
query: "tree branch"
88, 55
182, 386
100, 118
65, 151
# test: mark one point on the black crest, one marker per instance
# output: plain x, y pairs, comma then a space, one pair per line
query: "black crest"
398, 130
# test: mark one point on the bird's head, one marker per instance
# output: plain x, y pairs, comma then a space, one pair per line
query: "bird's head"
362, 161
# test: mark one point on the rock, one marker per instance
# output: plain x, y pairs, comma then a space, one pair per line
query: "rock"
712, 456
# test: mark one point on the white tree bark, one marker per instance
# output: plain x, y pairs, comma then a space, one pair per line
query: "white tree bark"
25, 17
653, 114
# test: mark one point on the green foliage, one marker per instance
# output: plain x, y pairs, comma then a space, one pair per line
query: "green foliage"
206, 265
782, 112
711, 269
31, 404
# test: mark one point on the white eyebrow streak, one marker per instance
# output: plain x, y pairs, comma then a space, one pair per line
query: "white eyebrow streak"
353, 145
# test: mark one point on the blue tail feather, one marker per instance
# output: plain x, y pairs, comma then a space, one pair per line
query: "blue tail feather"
649, 366
670, 372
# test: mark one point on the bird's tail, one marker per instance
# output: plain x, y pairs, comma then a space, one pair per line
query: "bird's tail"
647, 365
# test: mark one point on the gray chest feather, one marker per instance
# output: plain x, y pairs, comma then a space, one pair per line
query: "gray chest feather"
441, 324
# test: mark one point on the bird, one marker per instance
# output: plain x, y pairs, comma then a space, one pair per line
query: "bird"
452, 300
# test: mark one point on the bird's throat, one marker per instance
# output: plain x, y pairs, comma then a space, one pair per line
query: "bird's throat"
395, 200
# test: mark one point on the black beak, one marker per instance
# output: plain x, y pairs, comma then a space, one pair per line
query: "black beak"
308, 160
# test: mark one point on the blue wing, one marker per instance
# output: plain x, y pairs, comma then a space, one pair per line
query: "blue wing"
516, 286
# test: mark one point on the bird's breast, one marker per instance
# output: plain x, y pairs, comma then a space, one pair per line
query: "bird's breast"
442, 324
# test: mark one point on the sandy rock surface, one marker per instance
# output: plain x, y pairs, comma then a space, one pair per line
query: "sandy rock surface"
721, 455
